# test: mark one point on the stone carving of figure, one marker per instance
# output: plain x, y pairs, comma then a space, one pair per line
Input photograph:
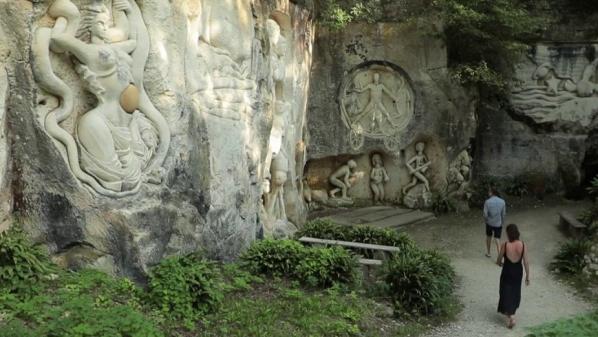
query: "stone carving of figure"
375, 105
123, 140
282, 109
340, 179
264, 216
279, 172
417, 166
378, 177
224, 83
278, 45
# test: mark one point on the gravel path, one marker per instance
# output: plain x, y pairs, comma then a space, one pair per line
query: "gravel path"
462, 237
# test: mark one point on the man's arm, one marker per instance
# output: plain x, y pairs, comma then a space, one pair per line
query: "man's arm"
503, 214
485, 212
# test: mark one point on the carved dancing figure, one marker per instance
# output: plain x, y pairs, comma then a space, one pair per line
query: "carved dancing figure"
275, 203
417, 166
123, 140
375, 104
378, 177
344, 172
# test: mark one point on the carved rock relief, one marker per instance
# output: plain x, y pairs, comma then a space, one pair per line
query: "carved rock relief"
558, 84
122, 141
220, 70
416, 194
376, 101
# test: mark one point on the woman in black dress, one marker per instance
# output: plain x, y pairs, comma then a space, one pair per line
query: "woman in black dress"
511, 256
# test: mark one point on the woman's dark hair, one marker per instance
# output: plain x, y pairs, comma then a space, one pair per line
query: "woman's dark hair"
492, 189
512, 232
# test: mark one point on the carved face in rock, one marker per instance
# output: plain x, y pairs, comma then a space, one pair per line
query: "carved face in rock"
419, 147
376, 160
352, 164
99, 27
376, 78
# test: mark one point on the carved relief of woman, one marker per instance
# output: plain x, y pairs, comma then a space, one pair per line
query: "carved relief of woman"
122, 141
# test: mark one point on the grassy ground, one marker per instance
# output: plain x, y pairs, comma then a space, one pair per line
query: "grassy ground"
94, 304
580, 326
282, 310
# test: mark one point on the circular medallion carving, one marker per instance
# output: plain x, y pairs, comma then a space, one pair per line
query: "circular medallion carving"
376, 101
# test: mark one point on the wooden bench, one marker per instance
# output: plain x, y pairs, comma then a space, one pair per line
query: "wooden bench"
568, 222
366, 263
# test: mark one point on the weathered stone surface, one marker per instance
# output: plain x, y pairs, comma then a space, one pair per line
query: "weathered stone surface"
393, 90
183, 171
506, 147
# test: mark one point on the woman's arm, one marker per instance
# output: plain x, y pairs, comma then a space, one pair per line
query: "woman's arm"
501, 254
85, 53
526, 266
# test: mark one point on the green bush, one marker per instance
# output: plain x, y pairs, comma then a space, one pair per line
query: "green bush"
326, 229
21, 263
315, 266
274, 257
570, 258
185, 288
326, 266
419, 282
378, 236
86, 303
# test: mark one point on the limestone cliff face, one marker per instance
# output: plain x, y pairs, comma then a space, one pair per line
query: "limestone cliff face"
381, 89
217, 88
546, 133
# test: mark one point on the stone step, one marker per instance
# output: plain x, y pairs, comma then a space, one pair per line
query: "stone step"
403, 219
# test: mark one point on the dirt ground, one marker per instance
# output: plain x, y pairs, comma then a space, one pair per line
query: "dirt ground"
462, 237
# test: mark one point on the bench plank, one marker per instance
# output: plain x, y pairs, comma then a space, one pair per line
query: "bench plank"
573, 226
370, 262
306, 239
571, 220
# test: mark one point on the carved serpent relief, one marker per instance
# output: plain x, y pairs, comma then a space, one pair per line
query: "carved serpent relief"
121, 142
376, 101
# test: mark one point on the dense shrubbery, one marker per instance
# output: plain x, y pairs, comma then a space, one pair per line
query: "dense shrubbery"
570, 258
274, 257
289, 258
183, 291
21, 263
419, 282
326, 266
185, 288
326, 229
87, 303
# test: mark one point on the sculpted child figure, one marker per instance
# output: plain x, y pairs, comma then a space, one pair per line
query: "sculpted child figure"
344, 172
417, 166
378, 177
